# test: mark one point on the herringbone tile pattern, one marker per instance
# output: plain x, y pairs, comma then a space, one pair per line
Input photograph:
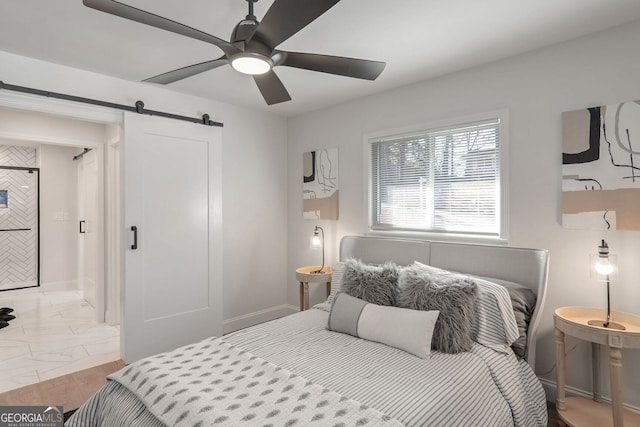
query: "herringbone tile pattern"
18, 249
11, 155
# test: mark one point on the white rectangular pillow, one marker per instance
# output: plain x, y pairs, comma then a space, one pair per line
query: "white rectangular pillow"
402, 328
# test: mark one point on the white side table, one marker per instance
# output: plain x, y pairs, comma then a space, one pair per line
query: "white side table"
306, 275
579, 411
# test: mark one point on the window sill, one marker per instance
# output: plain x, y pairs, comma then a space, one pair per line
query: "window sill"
440, 237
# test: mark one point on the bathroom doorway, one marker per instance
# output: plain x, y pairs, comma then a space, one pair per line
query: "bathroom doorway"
19, 220
57, 329
56, 142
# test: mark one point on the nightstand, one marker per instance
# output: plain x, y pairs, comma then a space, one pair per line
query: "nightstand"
306, 275
580, 411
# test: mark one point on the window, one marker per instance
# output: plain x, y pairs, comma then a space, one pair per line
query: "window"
439, 180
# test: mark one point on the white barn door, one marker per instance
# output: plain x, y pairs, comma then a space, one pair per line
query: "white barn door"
173, 216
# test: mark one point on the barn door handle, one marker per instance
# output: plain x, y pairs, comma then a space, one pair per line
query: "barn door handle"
135, 237
82, 227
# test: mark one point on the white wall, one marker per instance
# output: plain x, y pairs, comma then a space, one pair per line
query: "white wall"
254, 178
535, 88
58, 216
38, 127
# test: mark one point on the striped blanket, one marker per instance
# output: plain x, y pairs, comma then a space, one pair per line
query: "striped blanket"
483, 387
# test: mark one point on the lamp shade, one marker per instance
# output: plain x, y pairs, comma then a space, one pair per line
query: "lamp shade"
316, 240
603, 265
603, 268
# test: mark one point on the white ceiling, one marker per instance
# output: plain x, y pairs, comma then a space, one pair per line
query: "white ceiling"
418, 39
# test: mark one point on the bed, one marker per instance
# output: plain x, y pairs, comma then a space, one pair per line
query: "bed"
293, 371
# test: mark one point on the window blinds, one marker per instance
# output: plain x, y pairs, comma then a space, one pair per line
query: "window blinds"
443, 180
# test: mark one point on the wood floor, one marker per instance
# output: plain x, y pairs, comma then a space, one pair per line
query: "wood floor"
72, 390
554, 418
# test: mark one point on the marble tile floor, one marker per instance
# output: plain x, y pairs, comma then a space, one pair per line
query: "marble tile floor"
54, 333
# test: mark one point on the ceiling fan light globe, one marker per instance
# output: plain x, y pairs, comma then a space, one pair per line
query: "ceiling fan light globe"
252, 64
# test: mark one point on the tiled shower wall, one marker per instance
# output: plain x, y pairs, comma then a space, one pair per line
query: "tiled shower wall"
18, 249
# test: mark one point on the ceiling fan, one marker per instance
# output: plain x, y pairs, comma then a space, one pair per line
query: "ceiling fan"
252, 48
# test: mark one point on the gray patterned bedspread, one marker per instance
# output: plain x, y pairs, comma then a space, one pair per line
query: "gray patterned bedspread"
215, 383
479, 388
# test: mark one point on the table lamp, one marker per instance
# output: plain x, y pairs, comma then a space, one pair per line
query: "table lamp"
317, 242
603, 267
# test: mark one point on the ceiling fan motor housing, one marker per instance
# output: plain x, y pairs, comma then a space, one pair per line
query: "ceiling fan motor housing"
244, 30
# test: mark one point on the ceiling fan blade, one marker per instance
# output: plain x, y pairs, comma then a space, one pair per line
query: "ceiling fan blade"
349, 67
184, 72
271, 88
129, 12
286, 17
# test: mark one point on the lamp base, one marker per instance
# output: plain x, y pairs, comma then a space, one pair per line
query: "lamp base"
611, 325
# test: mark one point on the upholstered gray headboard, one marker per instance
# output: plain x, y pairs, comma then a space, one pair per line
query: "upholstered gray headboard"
528, 267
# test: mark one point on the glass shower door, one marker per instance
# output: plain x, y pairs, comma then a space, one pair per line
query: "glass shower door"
19, 228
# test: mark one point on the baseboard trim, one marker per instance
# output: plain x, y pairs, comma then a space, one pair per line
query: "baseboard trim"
292, 308
64, 285
240, 322
551, 390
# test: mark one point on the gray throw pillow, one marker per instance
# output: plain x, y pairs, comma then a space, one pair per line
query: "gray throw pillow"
453, 296
374, 284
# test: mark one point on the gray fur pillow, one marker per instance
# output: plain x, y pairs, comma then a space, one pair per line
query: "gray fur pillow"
374, 284
453, 296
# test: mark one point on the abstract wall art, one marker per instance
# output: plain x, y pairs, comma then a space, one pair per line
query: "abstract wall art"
320, 184
601, 167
